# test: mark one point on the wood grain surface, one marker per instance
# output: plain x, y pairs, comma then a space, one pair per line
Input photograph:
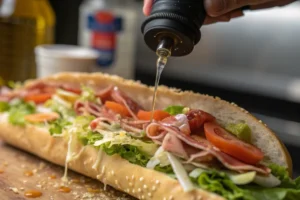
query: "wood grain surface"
20, 172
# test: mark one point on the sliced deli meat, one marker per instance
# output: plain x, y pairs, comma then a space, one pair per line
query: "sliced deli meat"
158, 131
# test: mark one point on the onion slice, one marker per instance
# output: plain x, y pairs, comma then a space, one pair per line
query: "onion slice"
181, 174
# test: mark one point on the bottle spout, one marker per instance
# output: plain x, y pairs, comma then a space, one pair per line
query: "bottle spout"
164, 48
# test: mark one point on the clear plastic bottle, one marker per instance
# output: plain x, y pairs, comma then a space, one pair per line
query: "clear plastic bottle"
110, 26
23, 25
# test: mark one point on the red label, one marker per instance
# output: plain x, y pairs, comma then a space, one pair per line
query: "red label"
104, 40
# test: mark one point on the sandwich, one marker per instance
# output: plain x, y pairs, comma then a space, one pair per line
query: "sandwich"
192, 146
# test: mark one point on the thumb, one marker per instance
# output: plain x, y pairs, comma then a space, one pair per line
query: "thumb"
147, 7
216, 8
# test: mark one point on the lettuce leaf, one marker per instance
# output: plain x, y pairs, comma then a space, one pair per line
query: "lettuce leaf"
4, 106
57, 126
282, 174
128, 152
274, 193
166, 169
220, 183
89, 138
18, 110
175, 110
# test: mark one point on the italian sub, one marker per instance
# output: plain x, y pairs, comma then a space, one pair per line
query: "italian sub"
192, 146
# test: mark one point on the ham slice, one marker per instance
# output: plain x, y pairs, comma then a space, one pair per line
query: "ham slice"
173, 145
123, 99
202, 144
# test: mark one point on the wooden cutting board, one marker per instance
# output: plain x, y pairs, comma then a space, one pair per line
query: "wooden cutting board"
21, 172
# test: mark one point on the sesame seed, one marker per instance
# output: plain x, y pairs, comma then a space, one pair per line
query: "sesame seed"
127, 190
99, 176
171, 197
132, 177
127, 177
15, 190
133, 191
143, 197
130, 184
139, 189
142, 178
103, 169
165, 198
149, 194
157, 182
153, 188
145, 186
112, 172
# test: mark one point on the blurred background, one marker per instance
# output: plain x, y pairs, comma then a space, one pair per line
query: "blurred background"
253, 61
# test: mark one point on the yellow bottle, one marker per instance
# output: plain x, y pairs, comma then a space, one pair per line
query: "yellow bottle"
24, 24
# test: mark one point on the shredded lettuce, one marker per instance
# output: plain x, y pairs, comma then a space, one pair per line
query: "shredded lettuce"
61, 106
175, 110
18, 110
88, 94
120, 138
4, 106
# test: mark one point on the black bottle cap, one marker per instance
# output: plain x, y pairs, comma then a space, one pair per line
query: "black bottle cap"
177, 19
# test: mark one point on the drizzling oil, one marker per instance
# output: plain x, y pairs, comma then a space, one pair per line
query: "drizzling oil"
160, 65
163, 52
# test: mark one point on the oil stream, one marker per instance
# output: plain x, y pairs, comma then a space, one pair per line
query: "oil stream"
160, 65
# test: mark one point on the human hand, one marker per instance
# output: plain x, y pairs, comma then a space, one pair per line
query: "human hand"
225, 10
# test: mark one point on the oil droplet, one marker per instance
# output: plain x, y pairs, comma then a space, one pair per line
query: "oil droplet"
1, 171
32, 194
75, 180
64, 189
28, 173
52, 177
92, 190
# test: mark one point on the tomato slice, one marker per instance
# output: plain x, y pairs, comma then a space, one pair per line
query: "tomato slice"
117, 108
158, 115
231, 145
38, 98
42, 117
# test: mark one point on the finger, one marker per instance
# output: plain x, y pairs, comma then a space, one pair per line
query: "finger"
223, 18
216, 8
272, 4
147, 7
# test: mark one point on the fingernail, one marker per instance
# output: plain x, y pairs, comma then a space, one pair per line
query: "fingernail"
225, 18
237, 14
215, 7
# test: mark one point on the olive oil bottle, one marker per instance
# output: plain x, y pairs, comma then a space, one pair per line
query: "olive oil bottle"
24, 24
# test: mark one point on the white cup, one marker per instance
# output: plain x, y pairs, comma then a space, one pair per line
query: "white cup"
52, 59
